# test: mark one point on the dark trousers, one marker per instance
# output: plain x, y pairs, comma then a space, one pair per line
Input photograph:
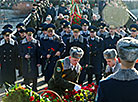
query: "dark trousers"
27, 83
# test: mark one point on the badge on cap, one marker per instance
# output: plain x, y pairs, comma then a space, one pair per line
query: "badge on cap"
58, 69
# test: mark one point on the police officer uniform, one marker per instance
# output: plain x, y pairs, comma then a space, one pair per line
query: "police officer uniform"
118, 86
30, 48
8, 58
96, 48
65, 74
82, 43
50, 45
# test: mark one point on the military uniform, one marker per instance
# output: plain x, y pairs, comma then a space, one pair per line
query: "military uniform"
86, 33
64, 77
8, 58
110, 70
82, 43
55, 44
111, 42
30, 65
96, 48
118, 86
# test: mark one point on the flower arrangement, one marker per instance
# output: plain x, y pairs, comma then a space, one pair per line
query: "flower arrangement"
50, 95
86, 94
21, 94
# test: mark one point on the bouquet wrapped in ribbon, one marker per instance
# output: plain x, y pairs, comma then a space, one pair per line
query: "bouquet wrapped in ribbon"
75, 12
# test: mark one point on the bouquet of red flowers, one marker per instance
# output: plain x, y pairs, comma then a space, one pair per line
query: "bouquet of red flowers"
50, 96
87, 93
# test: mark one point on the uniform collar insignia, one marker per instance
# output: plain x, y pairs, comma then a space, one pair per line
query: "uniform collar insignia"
2, 42
125, 74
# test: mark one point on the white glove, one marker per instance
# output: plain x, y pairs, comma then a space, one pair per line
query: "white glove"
77, 87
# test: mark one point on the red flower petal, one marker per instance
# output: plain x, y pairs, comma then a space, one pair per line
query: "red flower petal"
31, 98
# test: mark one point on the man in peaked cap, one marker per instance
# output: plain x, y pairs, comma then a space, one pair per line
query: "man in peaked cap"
110, 55
119, 85
51, 53
19, 26
29, 52
66, 72
8, 57
96, 47
67, 32
78, 40
85, 32
102, 30
111, 38
7, 26
134, 30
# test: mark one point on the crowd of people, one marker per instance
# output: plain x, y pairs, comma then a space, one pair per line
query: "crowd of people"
85, 49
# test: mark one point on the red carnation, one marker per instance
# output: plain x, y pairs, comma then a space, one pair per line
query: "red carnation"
37, 101
31, 98
0, 65
89, 85
7, 95
92, 84
29, 47
77, 98
96, 86
90, 44
66, 97
91, 90
79, 91
52, 49
46, 96
46, 88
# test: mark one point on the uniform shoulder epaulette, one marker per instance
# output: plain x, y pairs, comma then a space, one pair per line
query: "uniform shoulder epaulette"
117, 35
34, 41
24, 41
12, 42
2, 42
97, 38
56, 37
107, 35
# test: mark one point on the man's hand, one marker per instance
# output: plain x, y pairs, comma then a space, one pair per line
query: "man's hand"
48, 56
57, 53
77, 87
27, 56
38, 65
86, 65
